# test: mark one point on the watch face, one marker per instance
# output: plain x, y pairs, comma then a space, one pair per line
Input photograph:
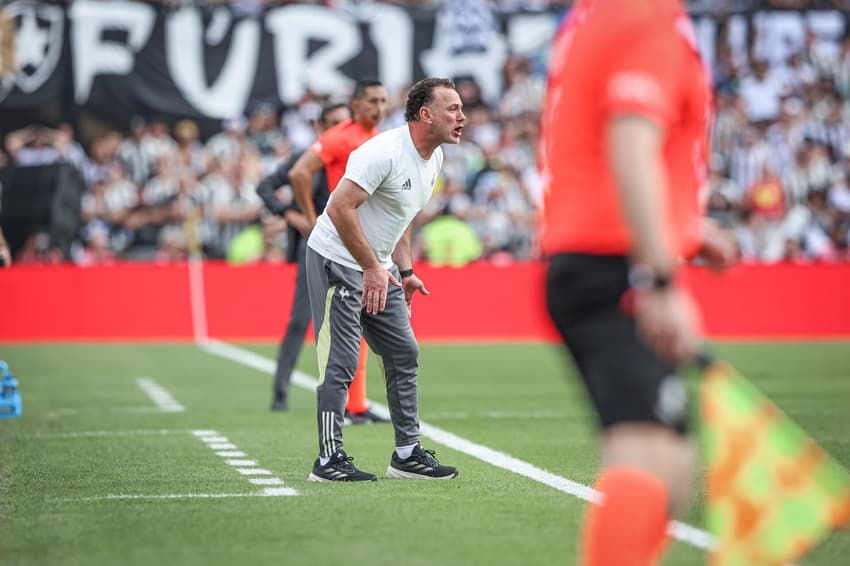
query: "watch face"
644, 278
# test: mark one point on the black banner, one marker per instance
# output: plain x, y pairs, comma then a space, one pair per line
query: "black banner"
120, 58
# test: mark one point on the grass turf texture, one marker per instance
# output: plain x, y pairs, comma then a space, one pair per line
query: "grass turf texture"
516, 398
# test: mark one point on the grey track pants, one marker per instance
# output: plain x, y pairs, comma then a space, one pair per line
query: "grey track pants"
339, 320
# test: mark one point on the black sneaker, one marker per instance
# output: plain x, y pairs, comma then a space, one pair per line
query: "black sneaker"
339, 468
420, 466
280, 403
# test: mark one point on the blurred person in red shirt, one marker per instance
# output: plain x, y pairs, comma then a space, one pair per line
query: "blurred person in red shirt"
625, 136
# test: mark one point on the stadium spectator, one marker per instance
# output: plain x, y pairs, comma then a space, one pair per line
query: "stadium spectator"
503, 218
97, 250
445, 236
102, 158
38, 249
32, 146
265, 136
112, 202
230, 202
191, 157
299, 122
523, 89
227, 144
361, 280
69, 149
156, 142
625, 151
761, 91
131, 154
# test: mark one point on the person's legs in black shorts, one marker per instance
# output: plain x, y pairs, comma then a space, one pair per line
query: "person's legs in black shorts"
626, 380
647, 461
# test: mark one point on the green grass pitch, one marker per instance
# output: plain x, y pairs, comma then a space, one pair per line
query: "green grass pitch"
89, 431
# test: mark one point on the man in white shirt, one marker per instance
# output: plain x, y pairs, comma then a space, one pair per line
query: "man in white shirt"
361, 280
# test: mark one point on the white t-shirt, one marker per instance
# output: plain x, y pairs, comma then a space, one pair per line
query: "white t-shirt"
399, 183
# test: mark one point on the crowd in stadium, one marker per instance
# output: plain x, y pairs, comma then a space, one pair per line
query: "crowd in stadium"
779, 172
512, 5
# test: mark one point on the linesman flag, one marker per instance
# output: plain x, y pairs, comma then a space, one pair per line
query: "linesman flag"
773, 493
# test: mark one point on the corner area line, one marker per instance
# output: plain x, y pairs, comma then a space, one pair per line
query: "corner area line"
681, 531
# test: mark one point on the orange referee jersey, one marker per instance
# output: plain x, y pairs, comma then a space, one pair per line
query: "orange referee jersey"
617, 57
335, 145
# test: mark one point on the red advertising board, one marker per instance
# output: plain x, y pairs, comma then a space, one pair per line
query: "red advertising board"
141, 301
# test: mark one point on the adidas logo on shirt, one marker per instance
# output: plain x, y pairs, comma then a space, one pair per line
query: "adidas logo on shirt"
407, 186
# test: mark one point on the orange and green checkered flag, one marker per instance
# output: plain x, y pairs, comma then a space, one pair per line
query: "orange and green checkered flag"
773, 493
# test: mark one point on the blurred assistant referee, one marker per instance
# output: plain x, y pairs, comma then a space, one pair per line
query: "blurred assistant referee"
623, 152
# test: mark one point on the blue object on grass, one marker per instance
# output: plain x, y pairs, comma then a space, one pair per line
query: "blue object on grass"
11, 404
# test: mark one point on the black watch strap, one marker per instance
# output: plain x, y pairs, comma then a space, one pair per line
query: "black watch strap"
645, 278
405, 272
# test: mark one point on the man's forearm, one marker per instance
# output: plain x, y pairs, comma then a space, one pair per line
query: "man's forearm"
348, 226
634, 145
302, 190
402, 255
266, 190
296, 220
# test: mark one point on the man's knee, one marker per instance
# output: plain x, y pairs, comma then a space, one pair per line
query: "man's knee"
406, 352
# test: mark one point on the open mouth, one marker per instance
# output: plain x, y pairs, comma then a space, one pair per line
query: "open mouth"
458, 132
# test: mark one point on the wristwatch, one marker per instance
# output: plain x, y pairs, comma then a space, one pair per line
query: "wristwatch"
405, 272
644, 278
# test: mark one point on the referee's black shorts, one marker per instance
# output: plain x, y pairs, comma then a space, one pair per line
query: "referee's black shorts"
626, 380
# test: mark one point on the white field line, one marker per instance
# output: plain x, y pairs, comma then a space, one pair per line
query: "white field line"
116, 410
52, 414
464, 415
244, 466
160, 397
686, 533
136, 410
254, 471
108, 433
266, 481
268, 492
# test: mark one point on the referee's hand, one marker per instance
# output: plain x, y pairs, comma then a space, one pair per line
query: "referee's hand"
669, 323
